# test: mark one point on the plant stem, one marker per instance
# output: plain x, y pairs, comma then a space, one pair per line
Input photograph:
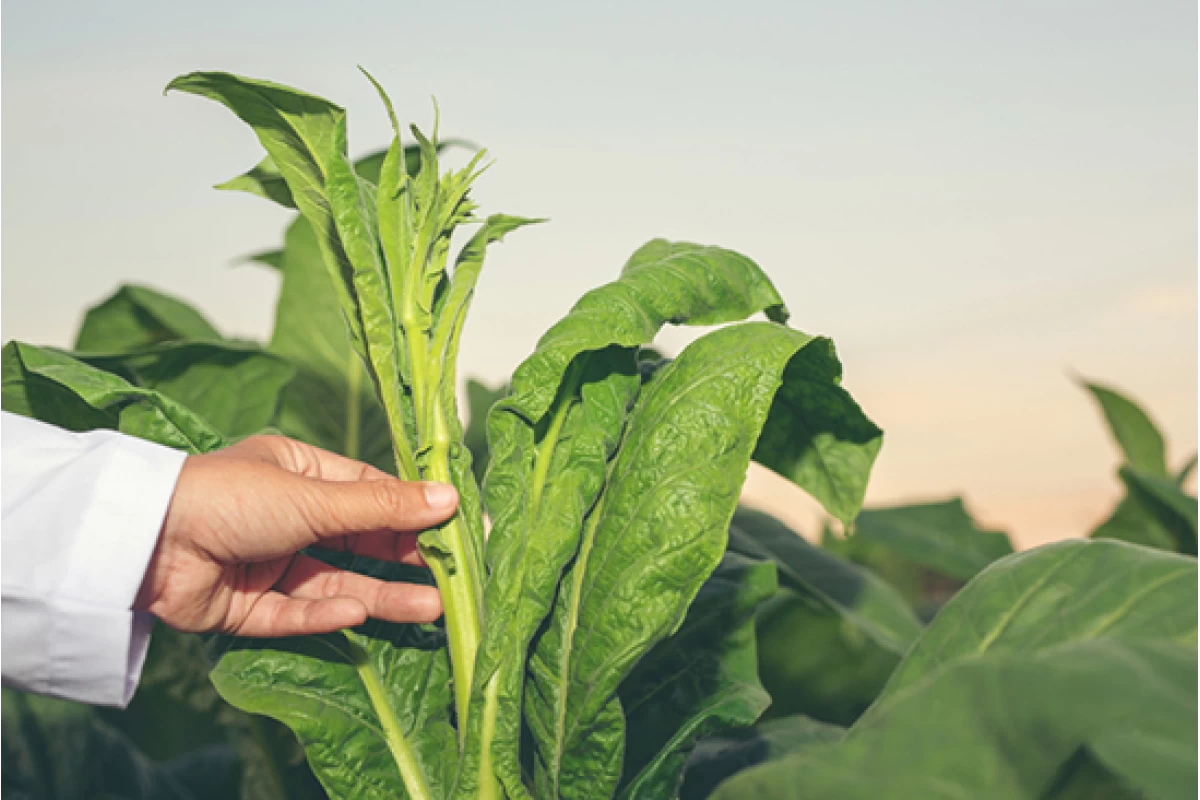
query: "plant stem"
410, 770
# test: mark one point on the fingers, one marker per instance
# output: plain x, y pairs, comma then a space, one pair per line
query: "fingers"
276, 615
382, 545
310, 579
338, 508
304, 459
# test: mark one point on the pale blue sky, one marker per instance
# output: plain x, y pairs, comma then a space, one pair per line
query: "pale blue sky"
971, 199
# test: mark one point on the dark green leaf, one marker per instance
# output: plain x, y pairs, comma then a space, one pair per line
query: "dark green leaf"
1132, 522
1161, 497
718, 757
55, 749
53, 387
700, 681
828, 641
1136, 434
480, 399
939, 536
234, 388
135, 317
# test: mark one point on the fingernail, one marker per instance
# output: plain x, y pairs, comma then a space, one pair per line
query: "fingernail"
440, 495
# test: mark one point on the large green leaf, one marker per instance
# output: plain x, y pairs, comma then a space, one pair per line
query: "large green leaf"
553, 436
316, 685
828, 641
939, 536
1011, 726
136, 317
659, 531
700, 681
718, 757
1139, 438
234, 388
54, 387
1073, 590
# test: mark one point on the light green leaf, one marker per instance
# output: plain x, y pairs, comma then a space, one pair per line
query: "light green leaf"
700, 681
718, 757
1009, 726
939, 536
56, 388
1139, 438
263, 180
136, 317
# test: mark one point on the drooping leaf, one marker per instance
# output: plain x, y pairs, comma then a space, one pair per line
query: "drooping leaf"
718, 757
234, 388
136, 317
1139, 438
1007, 726
1162, 499
53, 387
660, 530
700, 681
939, 536
830, 638
316, 686
552, 437
1063, 592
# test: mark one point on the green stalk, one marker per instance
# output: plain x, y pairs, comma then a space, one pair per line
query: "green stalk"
406, 761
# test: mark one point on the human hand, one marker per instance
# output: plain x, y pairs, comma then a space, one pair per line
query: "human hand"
227, 558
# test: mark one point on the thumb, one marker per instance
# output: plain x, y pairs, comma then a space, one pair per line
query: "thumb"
339, 508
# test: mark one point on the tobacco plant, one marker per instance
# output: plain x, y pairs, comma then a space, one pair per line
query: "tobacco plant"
623, 628
610, 487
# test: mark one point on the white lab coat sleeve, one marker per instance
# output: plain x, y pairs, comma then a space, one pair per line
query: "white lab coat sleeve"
81, 517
